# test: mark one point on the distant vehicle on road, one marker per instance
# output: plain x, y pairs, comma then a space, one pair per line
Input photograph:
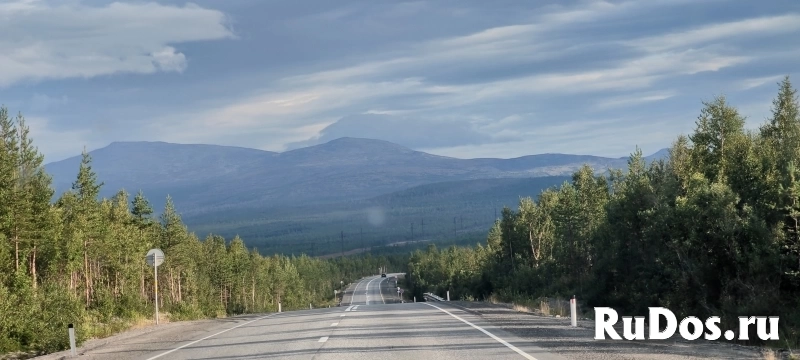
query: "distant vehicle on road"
383, 275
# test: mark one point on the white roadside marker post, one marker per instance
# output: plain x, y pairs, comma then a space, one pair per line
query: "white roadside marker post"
448, 295
279, 307
573, 307
72, 339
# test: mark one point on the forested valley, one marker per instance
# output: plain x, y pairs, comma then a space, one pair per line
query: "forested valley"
713, 230
80, 260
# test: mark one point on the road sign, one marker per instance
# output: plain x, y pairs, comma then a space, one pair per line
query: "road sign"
155, 257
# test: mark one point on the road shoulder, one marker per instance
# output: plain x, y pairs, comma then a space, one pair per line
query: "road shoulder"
557, 336
129, 344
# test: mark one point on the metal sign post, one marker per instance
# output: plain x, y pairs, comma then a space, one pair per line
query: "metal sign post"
155, 257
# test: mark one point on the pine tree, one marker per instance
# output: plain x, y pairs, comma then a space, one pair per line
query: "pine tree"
35, 193
495, 237
142, 211
86, 222
719, 127
9, 162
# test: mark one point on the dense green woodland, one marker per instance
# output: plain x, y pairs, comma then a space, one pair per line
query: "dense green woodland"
315, 229
81, 260
711, 231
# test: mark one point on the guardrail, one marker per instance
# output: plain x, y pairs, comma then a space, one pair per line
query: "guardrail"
432, 297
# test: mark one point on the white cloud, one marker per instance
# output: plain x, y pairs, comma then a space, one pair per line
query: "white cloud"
529, 42
281, 108
42, 40
167, 59
703, 35
62, 142
570, 138
636, 99
43, 102
409, 71
277, 112
751, 83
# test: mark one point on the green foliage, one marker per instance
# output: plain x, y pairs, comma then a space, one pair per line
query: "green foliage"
713, 230
315, 229
81, 261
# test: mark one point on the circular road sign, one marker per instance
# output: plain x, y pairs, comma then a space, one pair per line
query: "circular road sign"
155, 257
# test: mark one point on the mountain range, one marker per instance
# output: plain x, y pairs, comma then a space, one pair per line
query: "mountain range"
203, 178
300, 200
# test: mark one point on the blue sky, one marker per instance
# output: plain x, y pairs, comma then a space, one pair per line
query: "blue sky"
461, 78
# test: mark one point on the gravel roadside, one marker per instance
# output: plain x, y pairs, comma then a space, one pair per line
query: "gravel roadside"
556, 335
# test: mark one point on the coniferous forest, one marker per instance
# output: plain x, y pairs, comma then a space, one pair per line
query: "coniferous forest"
713, 231
81, 260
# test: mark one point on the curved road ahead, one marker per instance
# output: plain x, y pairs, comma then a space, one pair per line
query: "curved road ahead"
372, 290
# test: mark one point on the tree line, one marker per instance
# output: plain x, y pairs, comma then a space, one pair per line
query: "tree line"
712, 230
80, 260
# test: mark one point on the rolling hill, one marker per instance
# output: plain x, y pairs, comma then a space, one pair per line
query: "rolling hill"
208, 178
302, 200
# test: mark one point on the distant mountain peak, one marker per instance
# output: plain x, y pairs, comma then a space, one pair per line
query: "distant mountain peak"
356, 141
354, 145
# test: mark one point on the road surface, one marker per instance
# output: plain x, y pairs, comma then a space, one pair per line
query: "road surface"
373, 324
372, 290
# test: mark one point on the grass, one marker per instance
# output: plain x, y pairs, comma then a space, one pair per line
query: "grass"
541, 306
770, 355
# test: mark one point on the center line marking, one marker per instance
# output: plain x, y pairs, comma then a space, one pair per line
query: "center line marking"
323, 339
334, 324
380, 290
366, 292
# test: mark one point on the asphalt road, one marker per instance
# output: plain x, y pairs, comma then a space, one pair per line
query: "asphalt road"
372, 290
376, 326
373, 323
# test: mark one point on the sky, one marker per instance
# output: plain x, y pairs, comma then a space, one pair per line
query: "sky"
460, 78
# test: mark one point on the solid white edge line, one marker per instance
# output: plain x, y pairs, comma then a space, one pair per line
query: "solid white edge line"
512, 347
197, 341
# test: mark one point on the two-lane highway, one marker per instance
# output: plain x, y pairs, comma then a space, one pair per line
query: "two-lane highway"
371, 290
375, 326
